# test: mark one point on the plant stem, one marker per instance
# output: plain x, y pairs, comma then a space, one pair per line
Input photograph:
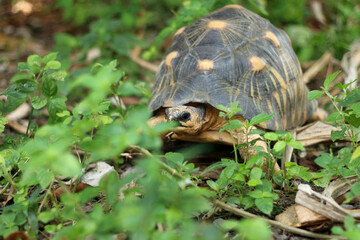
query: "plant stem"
46, 195
30, 119
8, 178
286, 187
234, 145
247, 144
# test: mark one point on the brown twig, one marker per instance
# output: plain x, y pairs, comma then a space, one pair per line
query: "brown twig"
301, 232
134, 55
317, 66
17, 126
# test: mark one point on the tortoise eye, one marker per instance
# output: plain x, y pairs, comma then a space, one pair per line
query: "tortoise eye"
184, 116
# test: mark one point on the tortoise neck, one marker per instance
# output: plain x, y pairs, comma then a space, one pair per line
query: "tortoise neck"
212, 121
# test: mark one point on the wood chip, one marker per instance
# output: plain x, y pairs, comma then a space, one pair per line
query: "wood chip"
323, 205
314, 133
300, 216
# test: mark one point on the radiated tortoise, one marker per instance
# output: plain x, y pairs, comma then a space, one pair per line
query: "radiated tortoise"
229, 55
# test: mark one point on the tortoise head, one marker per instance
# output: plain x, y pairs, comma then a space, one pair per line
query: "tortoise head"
190, 118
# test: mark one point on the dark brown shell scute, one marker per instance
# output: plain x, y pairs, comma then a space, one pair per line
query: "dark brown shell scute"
235, 55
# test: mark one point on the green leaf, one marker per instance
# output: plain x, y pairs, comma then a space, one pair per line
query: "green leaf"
255, 173
315, 94
329, 79
34, 62
63, 114
44, 176
352, 119
54, 106
222, 114
235, 124
338, 135
337, 230
175, 157
295, 144
58, 75
50, 228
229, 170
67, 120
34, 59
222, 108
233, 105
257, 131
67, 165
49, 87
249, 229
351, 98
53, 65
127, 88
339, 86
280, 146
349, 222
19, 77
264, 204
355, 109
265, 187
213, 185
262, 117
26, 86
3, 122
256, 159
14, 99
22, 66
356, 154
46, 217
50, 57
333, 117
326, 160
254, 182
271, 136
295, 170
256, 194
212, 167
113, 64
38, 102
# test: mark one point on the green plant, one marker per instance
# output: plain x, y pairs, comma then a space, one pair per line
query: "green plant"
351, 231
243, 183
290, 170
38, 84
250, 229
33, 165
347, 114
347, 118
346, 162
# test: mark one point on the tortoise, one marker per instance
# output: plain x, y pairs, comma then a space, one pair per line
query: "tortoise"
232, 54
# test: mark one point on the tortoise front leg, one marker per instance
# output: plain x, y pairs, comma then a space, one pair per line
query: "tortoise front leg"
249, 151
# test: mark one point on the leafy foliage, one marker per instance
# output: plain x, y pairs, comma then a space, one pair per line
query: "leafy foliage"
347, 119
347, 161
88, 123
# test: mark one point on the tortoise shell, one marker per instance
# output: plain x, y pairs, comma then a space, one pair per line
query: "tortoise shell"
233, 55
